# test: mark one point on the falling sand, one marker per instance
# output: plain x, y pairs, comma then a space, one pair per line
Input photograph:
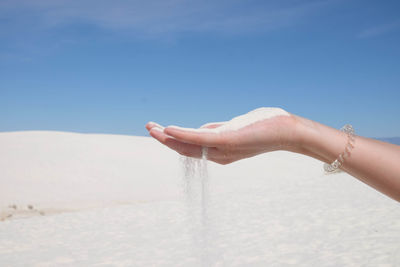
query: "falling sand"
196, 193
196, 182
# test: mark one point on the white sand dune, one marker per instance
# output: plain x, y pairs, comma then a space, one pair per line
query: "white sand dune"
278, 209
56, 171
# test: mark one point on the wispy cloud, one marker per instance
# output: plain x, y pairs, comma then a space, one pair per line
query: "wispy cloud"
380, 29
158, 17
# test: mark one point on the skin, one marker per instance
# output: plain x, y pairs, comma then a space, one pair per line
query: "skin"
373, 162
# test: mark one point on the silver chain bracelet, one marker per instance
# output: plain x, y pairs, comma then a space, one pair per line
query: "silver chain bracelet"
334, 166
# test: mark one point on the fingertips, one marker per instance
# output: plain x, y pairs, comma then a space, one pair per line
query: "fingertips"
150, 125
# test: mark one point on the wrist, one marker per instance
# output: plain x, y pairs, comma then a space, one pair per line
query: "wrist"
293, 134
317, 140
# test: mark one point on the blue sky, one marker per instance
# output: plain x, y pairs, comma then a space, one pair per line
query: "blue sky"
110, 66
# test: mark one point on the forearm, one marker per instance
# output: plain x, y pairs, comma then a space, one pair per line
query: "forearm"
373, 162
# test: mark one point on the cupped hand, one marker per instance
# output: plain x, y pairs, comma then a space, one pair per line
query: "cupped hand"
259, 131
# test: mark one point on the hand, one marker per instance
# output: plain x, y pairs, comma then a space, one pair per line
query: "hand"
268, 129
261, 130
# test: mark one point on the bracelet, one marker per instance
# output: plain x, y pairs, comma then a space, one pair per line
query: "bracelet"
334, 166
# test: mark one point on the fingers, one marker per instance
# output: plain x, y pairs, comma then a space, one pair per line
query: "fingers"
189, 142
205, 136
185, 149
202, 137
192, 150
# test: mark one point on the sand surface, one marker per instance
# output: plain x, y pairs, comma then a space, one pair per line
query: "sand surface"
106, 200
